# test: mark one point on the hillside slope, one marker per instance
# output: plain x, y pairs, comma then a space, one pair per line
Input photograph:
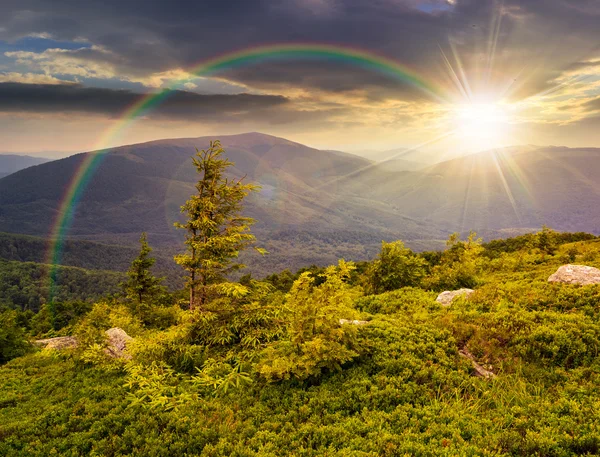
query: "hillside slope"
338, 204
11, 163
141, 188
509, 188
409, 386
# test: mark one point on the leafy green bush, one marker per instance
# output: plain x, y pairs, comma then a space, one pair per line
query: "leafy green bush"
395, 266
13, 342
315, 339
460, 264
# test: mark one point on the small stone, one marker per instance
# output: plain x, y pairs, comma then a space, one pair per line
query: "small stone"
116, 340
352, 322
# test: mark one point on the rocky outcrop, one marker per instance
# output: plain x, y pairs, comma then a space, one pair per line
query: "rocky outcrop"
60, 342
116, 342
576, 274
445, 298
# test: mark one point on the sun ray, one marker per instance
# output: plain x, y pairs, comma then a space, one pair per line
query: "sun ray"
493, 39
461, 70
375, 164
453, 76
506, 186
467, 197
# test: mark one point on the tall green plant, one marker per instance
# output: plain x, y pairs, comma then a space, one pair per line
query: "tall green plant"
215, 231
142, 287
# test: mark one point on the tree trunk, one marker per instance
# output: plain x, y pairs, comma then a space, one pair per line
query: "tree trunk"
193, 291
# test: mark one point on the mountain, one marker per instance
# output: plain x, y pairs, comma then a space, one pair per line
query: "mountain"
10, 163
315, 206
507, 188
400, 165
412, 158
141, 188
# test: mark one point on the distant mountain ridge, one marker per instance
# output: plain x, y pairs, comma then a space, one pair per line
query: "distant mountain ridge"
494, 190
142, 187
11, 163
338, 204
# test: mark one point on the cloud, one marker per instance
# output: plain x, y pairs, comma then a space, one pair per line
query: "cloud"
46, 98
592, 105
30, 78
530, 39
540, 54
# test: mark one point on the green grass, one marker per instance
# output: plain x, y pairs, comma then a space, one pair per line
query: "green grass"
408, 393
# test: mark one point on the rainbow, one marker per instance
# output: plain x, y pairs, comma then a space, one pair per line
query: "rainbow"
332, 53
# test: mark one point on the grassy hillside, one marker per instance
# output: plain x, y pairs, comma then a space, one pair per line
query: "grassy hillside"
397, 385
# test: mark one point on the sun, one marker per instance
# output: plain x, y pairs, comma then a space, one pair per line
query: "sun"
481, 125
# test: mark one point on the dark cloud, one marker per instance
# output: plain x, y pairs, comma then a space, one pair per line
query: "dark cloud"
334, 78
43, 98
531, 39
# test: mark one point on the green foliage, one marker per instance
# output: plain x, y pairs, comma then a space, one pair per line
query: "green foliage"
261, 372
13, 342
460, 264
155, 386
395, 267
215, 232
90, 331
249, 321
495, 248
142, 288
26, 285
60, 321
86, 255
405, 299
546, 241
315, 339
221, 377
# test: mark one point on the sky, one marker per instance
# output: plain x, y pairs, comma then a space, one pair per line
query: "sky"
503, 72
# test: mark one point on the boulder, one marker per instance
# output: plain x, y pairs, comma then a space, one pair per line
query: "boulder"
445, 298
116, 340
60, 342
117, 343
576, 274
352, 322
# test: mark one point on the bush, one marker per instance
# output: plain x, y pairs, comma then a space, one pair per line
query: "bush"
13, 342
396, 266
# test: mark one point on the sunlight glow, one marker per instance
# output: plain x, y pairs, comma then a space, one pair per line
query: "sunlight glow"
482, 124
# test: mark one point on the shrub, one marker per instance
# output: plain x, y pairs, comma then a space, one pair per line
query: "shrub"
13, 342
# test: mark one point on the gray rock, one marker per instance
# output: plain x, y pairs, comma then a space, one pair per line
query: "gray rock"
445, 298
117, 343
60, 342
576, 274
479, 371
116, 340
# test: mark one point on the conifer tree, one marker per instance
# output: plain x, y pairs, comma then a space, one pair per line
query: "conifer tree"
142, 286
216, 233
